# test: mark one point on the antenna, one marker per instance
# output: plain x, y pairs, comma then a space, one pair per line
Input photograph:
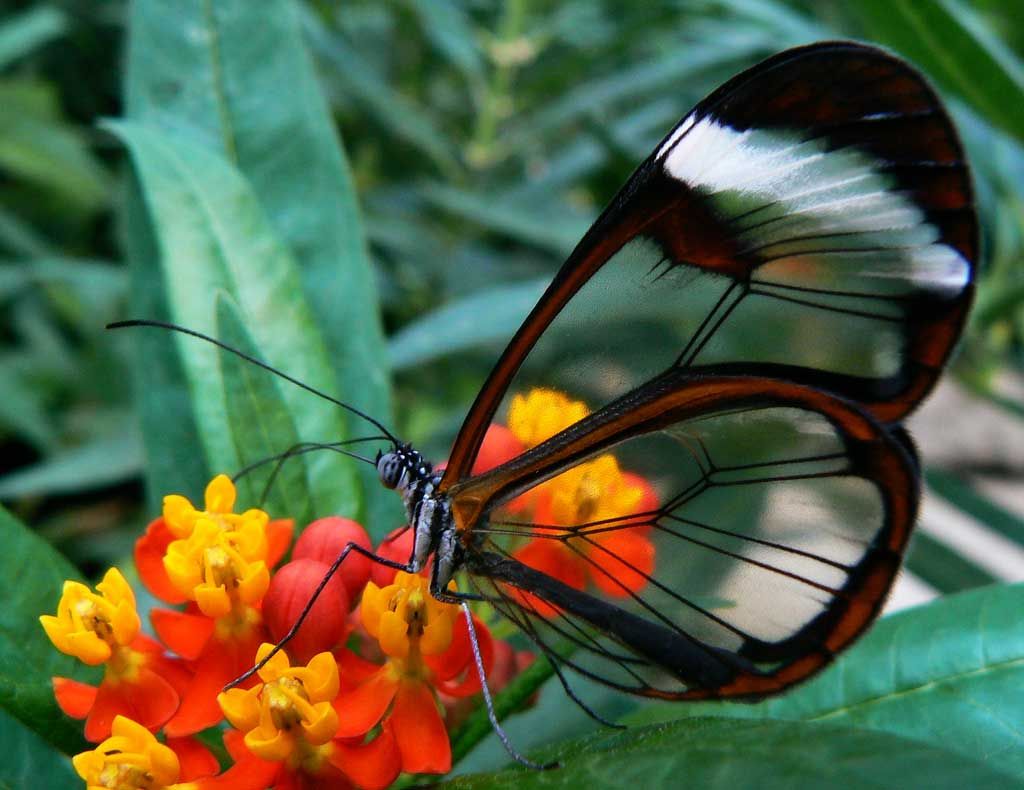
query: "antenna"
258, 363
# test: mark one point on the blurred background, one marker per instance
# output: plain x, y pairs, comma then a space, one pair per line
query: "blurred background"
484, 136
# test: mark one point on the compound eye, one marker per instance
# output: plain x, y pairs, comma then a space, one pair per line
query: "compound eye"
389, 467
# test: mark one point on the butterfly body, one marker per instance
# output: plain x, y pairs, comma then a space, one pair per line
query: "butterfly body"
428, 512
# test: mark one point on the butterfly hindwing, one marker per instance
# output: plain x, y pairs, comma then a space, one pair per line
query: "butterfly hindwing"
782, 517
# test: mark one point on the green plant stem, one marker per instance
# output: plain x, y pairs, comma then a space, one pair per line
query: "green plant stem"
498, 92
478, 726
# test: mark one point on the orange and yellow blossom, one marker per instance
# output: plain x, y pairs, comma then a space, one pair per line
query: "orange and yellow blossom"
290, 729
427, 648
133, 758
219, 563
102, 628
616, 559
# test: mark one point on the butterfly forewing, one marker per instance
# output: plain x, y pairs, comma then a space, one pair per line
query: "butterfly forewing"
781, 515
812, 219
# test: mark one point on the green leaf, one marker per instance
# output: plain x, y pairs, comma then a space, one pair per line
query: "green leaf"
260, 423
37, 146
213, 237
942, 567
971, 501
448, 27
33, 574
488, 316
30, 761
243, 84
99, 463
656, 75
946, 40
21, 33
527, 223
170, 435
948, 673
399, 116
730, 753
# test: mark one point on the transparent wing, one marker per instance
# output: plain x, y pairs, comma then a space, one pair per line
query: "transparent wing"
712, 537
811, 220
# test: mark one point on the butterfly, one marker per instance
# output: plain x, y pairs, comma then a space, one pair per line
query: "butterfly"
750, 319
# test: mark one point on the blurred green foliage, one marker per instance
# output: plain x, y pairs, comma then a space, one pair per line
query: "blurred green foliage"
482, 136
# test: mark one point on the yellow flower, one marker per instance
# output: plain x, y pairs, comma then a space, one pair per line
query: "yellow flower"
219, 568
290, 711
90, 626
541, 414
130, 758
592, 491
406, 619
219, 502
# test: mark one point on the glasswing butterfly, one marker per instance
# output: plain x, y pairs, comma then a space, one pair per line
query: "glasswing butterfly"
773, 290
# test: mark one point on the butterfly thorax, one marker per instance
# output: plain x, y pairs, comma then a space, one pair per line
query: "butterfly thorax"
413, 477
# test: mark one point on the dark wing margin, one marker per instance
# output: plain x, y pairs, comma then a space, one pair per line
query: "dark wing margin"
768, 561
827, 181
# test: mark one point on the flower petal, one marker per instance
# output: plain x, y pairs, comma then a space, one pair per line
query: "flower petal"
195, 759
470, 681
241, 707
220, 494
324, 725
74, 698
275, 747
372, 766
419, 731
111, 702
393, 635
153, 699
626, 561
352, 669
279, 538
186, 634
219, 664
149, 561
359, 709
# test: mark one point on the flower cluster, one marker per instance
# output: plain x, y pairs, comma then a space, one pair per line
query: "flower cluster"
365, 690
376, 676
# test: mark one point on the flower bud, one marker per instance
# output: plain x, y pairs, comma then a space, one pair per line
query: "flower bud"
325, 626
396, 546
324, 540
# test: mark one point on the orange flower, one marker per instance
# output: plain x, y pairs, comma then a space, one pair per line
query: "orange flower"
138, 682
427, 647
133, 758
541, 413
178, 523
617, 560
219, 562
290, 727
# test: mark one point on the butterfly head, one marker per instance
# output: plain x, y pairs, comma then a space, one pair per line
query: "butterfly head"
400, 466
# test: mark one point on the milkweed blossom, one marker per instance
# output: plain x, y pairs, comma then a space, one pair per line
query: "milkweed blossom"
377, 676
609, 545
417, 635
102, 628
131, 757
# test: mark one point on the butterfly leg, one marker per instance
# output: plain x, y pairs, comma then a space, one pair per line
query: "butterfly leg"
489, 702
